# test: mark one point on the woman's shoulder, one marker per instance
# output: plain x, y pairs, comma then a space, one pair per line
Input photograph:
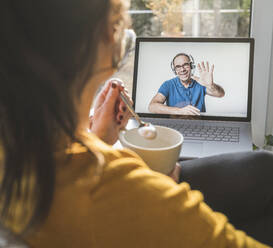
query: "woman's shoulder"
93, 156
107, 153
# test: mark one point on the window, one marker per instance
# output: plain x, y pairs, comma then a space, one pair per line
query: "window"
187, 18
214, 18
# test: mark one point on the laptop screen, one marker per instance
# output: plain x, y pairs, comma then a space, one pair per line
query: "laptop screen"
204, 78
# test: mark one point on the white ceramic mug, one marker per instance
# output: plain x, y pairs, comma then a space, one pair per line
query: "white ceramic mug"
161, 153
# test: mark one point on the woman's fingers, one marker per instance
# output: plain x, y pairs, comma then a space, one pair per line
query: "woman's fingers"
123, 114
112, 94
125, 120
110, 97
175, 173
126, 93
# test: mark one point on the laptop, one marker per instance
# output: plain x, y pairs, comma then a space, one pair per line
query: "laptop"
222, 123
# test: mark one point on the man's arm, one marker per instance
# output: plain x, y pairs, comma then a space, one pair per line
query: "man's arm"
157, 106
215, 90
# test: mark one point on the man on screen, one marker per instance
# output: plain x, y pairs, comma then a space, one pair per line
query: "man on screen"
185, 94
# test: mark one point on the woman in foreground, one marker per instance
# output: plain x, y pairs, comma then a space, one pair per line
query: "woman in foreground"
62, 187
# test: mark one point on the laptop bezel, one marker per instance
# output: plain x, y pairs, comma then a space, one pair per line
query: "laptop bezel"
184, 39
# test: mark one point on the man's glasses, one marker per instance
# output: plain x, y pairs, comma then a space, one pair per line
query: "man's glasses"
184, 66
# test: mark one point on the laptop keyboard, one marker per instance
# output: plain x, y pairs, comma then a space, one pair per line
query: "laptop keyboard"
207, 133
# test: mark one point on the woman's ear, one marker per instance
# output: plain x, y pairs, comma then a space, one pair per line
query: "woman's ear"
118, 20
112, 33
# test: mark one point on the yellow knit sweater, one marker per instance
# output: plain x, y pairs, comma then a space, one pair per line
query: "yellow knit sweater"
128, 206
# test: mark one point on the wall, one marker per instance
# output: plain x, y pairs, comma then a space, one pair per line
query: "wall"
262, 26
269, 122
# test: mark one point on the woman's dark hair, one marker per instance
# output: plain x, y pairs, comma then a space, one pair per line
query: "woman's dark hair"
45, 47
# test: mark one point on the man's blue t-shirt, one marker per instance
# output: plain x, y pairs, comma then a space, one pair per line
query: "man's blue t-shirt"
179, 96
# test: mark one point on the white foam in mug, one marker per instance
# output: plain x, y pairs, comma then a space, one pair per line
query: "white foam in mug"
160, 153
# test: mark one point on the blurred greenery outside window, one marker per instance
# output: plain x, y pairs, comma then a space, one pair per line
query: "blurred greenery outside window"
186, 18
191, 18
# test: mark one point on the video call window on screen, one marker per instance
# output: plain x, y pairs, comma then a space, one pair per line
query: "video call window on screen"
193, 78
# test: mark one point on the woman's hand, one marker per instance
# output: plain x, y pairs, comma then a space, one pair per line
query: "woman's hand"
110, 113
175, 173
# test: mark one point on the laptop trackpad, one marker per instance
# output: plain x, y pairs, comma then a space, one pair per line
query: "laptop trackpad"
192, 149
